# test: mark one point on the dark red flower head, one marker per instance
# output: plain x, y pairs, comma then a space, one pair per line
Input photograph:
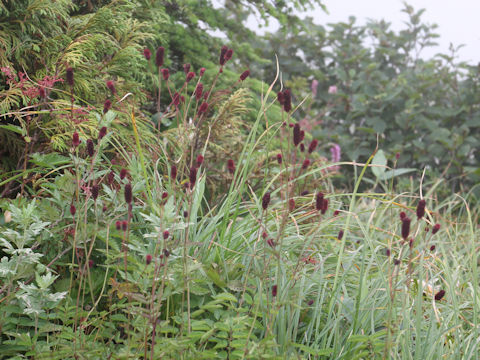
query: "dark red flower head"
231, 166
148, 259
313, 146
124, 225
176, 99
70, 76
90, 148
439, 295
274, 290
198, 91
159, 56
118, 225
128, 193
279, 158
405, 227
106, 106
147, 53
202, 71
203, 108
166, 234
340, 235
287, 101
173, 172
102, 132
319, 201
110, 177
324, 206
165, 73
435, 229
421, 208
402, 215
291, 204
75, 139
73, 210
186, 68
244, 75
190, 76
193, 176
123, 173
305, 164
111, 86
95, 190
200, 159
228, 54
265, 200
280, 98
223, 51
296, 134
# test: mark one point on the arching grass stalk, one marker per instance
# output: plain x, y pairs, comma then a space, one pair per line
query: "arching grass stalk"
336, 282
142, 162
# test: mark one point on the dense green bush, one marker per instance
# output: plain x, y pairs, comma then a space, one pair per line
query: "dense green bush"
424, 109
221, 236
104, 40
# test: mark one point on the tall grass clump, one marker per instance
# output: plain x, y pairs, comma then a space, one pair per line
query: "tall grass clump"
221, 240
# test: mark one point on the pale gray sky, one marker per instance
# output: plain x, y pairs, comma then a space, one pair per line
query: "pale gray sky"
458, 20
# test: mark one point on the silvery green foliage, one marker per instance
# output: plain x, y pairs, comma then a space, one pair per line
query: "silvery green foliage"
18, 241
35, 299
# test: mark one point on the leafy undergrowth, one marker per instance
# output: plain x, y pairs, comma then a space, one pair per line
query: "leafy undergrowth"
139, 258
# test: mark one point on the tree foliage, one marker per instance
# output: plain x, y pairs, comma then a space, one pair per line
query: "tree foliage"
425, 109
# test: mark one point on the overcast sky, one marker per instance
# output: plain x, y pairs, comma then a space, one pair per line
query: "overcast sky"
458, 20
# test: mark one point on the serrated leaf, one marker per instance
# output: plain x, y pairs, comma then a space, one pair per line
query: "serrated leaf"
49, 161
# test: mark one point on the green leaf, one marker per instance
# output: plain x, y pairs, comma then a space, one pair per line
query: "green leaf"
226, 297
215, 277
49, 161
315, 352
13, 128
396, 172
381, 161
